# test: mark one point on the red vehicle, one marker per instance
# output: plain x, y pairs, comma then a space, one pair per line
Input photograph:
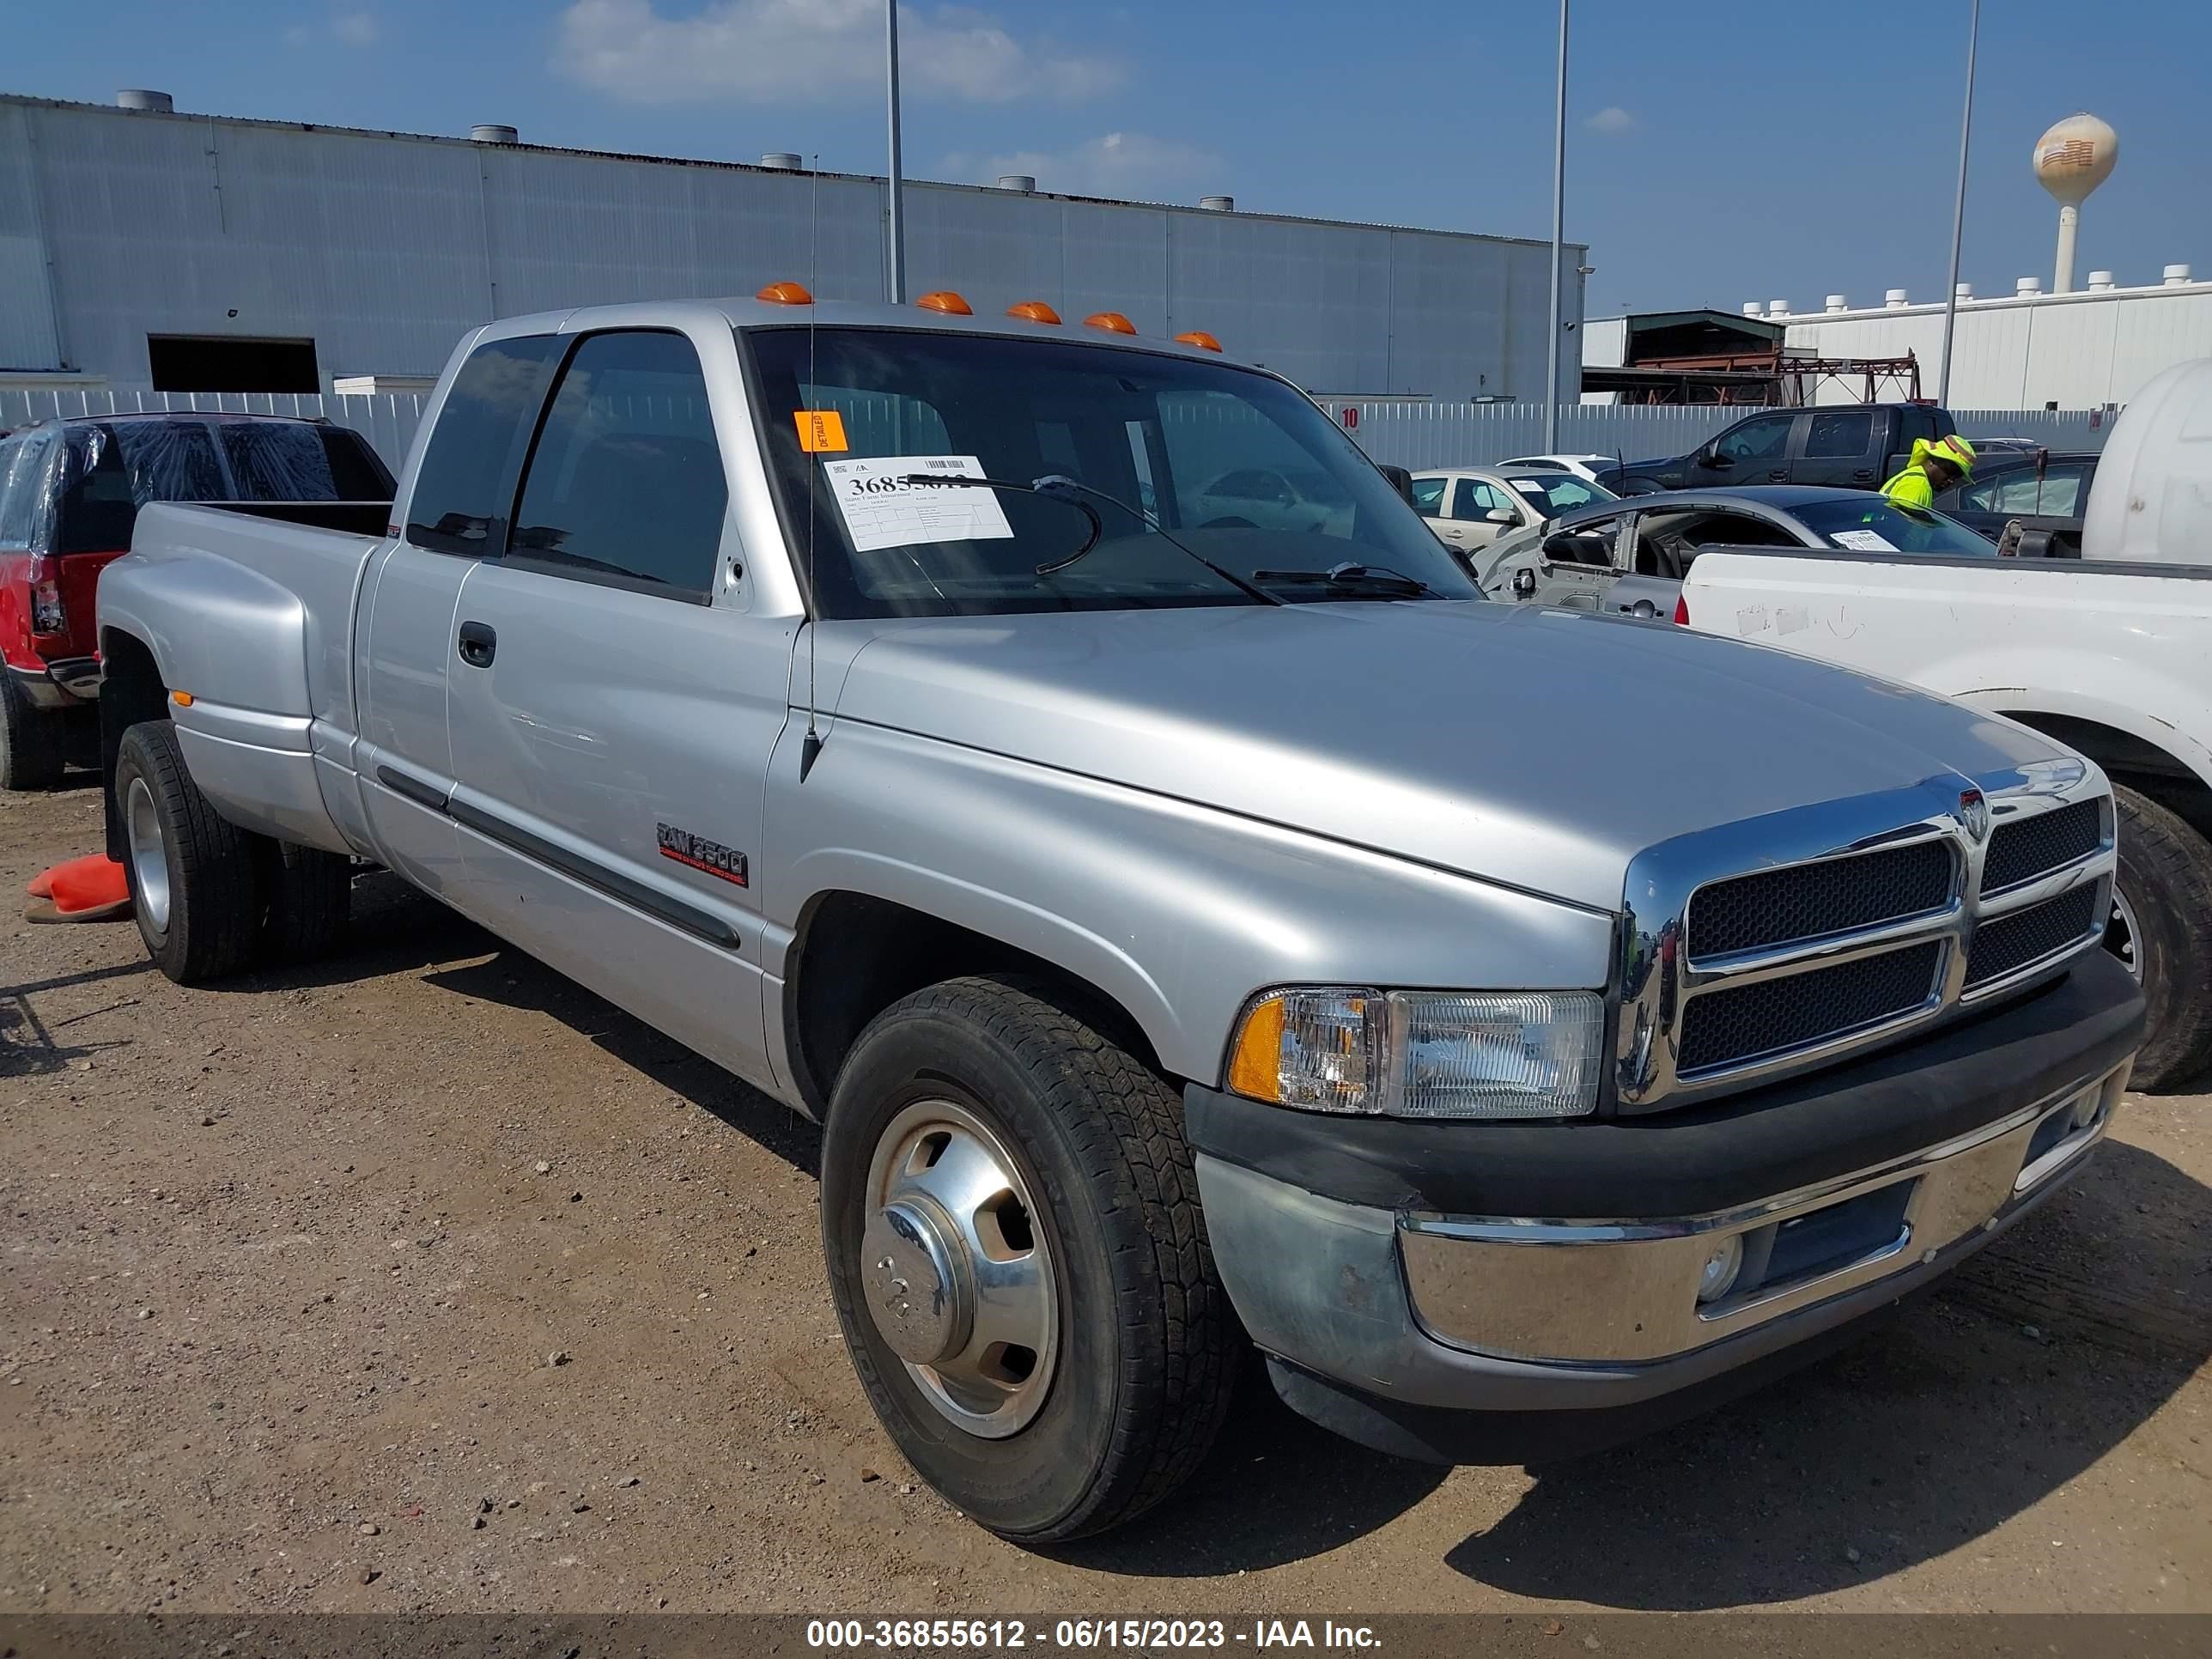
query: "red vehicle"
69, 493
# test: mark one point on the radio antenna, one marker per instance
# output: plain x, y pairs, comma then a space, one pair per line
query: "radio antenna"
810, 750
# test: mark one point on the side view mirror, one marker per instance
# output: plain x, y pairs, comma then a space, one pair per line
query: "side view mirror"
1501, 515
1714, 458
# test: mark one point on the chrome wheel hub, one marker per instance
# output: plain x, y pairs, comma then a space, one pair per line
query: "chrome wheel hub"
956, 1271
2121, 937
150, 865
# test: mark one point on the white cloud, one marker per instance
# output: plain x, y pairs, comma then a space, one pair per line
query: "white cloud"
806, 51
355, 28
1120, 164
1610, 119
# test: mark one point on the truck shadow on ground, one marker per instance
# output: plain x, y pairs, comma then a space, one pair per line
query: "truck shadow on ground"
2019, 1372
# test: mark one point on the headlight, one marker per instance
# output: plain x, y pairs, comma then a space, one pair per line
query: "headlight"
1423, 1053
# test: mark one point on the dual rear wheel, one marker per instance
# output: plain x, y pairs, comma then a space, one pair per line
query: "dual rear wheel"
211, 899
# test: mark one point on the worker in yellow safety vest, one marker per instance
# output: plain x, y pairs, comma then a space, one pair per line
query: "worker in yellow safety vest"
1934, 466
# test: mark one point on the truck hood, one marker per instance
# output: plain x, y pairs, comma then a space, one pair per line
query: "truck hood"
1537, 748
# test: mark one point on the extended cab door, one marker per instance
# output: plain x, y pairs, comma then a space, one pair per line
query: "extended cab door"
1840, 446
457, 501
615, 701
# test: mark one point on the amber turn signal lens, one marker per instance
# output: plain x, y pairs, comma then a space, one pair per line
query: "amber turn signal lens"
182, 699
1256, 1069
1200, 338
946, 300
1113, 321
784, 294
1033, 311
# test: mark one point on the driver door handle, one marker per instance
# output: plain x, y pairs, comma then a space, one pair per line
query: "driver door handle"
479, 642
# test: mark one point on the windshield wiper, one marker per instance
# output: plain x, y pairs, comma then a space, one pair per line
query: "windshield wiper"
1374, 581
1056, 486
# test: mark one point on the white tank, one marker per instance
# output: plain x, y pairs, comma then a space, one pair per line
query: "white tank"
2153, 496
2072, 159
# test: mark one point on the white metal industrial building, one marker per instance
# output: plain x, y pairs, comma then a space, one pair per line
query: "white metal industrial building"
143, 247
2090, 349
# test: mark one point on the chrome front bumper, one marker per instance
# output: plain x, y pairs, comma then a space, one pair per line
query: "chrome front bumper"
1613, 1291
1517, 1314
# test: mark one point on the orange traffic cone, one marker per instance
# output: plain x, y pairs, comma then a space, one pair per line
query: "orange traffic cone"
90, 888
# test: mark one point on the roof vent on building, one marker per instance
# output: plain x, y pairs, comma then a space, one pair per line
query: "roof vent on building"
1022, 183
784, 161
145, 98
2027, 286
1778, 308
2100, 280
1894, 299
1836, 302
492, 133
1964, 291
1218, 203
2176, 275
1752, 308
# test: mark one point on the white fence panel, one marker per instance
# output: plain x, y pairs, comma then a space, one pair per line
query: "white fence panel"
1408, 435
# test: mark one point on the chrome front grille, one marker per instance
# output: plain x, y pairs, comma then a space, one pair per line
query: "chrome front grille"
2027, 848
2005, 945
1813, 901
1779, 943
1738, 1023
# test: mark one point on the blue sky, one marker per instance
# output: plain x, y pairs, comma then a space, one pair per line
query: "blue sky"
1720, 150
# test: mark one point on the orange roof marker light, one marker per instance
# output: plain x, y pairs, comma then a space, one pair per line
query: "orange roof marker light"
946, 300
784, 294
1033, 311
1200, 338
1112, 321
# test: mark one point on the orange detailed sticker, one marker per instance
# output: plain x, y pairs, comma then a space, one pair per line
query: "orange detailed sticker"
821, 431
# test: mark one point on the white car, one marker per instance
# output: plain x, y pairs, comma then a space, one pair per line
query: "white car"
1470, 507
1585, 467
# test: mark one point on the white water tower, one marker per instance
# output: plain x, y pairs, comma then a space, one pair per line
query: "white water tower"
2071, 160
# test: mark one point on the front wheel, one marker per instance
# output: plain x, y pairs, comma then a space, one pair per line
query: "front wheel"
1019, 1262
2161, 928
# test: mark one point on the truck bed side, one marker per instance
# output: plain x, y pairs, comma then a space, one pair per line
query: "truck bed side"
2123, 647
252, 618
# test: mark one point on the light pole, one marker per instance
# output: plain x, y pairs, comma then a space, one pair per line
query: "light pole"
898, 184
1558, 245
1958, 211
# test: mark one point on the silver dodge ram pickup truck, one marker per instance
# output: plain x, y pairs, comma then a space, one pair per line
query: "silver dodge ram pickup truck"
1186, 930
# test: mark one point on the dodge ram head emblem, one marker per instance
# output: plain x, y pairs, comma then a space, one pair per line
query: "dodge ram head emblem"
1974, 813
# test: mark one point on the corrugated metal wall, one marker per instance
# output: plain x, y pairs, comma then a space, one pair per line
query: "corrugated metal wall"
384, 249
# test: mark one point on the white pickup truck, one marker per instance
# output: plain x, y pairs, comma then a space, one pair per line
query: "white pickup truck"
2113, 658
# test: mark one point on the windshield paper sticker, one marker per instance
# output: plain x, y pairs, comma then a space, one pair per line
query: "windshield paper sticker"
1863, 541
882, 509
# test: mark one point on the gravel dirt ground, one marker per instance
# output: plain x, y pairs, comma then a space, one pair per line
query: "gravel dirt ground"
421, 1280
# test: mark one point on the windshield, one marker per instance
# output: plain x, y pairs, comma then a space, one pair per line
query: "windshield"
1869, 524
1551, 493
1234, 466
